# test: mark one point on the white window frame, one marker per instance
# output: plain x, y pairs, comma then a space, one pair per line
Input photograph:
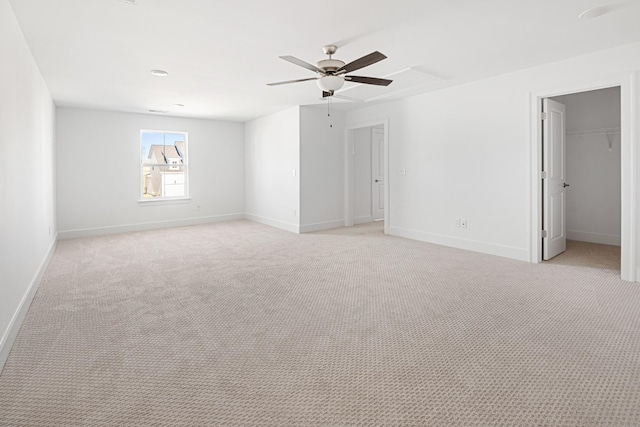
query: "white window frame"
185, 168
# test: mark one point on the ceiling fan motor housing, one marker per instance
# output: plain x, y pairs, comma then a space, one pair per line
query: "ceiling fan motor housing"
330, 65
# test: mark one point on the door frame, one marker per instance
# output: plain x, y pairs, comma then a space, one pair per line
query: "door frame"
628, 138
349, 169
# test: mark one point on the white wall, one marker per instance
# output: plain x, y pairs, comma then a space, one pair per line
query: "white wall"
272, 154
362, 175
299, 139
98, 178
27, 177
467, 154
593, 172
322, 151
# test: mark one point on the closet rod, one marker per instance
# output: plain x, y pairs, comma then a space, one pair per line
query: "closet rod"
602, 131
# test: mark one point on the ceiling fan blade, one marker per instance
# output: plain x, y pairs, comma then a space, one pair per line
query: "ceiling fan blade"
365, 61
302, 64
291, 81
368, 80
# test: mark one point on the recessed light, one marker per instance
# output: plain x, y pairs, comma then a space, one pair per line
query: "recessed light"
178, 105
594, 12
159, 73
158, 111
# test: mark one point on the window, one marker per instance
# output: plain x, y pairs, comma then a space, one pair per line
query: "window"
163, 164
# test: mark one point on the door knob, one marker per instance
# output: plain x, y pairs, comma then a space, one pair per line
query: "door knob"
565, 185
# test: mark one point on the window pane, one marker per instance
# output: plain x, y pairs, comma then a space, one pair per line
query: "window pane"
163, 181
149, 140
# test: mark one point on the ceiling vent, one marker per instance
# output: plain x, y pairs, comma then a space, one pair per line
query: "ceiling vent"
131, 2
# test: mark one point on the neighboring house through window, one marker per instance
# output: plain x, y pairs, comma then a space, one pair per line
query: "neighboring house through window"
163, 159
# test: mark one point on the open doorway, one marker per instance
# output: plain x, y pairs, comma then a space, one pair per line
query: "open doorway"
628, 112
366, 174
582, 210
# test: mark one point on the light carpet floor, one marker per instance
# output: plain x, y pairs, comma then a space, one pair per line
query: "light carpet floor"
240, 324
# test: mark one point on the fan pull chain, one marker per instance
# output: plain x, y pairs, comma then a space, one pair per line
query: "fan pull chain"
329, 107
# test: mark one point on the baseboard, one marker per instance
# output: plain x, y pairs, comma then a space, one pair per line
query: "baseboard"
363, 219
466, 244
10, 334
116, 229
319, 226
586, 236
294, 228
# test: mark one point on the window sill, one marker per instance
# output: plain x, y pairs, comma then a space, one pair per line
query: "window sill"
165, 201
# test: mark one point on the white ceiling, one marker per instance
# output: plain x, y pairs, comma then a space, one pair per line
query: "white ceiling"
221, 54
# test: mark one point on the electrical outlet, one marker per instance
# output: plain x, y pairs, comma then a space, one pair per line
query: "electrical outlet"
463, 223
294, 172
402, 171
456, 222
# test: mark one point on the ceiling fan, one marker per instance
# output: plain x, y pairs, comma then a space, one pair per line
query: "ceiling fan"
332, 73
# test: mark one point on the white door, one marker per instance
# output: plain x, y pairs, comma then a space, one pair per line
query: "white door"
377, 174
553, 182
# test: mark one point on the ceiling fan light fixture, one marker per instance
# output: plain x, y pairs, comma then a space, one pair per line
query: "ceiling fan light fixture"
330, 83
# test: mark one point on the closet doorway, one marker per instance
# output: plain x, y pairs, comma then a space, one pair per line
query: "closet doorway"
366, 174
581, 191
